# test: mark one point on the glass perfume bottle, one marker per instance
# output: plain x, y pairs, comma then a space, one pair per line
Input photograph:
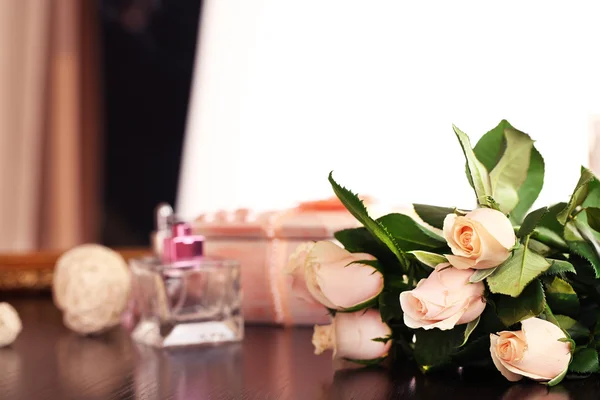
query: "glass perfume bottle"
184, 298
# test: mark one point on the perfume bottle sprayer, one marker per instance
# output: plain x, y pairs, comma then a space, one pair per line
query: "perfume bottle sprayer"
184, 297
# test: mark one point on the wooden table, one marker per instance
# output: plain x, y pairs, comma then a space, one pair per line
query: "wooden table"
49, 362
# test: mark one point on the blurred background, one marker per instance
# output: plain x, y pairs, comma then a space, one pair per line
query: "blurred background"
108, 107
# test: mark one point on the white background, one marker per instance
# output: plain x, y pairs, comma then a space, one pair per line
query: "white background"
285, 91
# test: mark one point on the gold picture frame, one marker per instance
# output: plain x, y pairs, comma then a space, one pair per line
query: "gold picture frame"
34, 271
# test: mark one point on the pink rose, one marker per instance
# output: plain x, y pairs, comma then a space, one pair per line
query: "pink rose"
324, 270
445, 299
350, 335
481, 239
534, 352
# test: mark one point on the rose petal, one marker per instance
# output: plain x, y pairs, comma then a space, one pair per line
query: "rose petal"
500, 366
474, 310
446, 324
312, 285
546, 357
298, 258
410, 305
491, 249
460, 262
448, 231
328, 252
413, 323
496, 224
431, 290
295, 270
348, 285
354, 334
452, 278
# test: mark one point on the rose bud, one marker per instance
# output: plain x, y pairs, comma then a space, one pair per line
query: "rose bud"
444, 299
350, 336
331, 275
481, 239
534, 352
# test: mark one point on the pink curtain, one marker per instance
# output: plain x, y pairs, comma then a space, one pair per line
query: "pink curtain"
49, 125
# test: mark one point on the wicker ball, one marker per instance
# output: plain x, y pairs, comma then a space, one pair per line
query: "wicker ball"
10, 324
91, 286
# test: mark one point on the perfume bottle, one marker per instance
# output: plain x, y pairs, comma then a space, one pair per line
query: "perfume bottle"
184, 297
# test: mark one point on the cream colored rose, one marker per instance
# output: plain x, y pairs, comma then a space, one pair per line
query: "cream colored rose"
10, 324
323, 271
534, 352
351, 335
445, 299
481, 239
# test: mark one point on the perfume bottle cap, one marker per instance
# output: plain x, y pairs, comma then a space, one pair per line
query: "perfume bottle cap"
163, 215
182, 244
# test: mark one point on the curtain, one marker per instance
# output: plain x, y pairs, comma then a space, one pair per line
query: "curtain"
286, 91
49, 124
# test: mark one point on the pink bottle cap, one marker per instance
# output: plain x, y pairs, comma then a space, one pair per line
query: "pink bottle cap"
183, 244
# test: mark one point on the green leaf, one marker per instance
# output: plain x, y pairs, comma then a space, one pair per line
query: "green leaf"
559, 267
469, 329
531, 188
476, 352
549, 231
592, 200
550, 238
580, 246
531, 221
360, 240
410, 235
476, 170
561, 297
575, 329
585, 361
397, 283
389, 306
435, 347
356, 207
490, 147
579, 195
593, 218
489, 321
489, 150
432, 215
549, 316
511, 170
481, 274
517, 271
540, 248
530, 303
550, 219
429, 259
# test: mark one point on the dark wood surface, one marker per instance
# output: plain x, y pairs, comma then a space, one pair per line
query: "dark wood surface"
49, 362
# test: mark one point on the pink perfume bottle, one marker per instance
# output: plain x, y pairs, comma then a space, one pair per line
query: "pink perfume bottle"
184, 297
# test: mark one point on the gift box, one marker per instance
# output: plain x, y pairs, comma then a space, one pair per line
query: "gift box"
263, 243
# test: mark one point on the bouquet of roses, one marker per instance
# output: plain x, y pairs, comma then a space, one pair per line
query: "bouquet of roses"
496, 285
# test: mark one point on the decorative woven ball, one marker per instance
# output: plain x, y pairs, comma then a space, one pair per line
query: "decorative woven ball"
91, 286
10, 324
